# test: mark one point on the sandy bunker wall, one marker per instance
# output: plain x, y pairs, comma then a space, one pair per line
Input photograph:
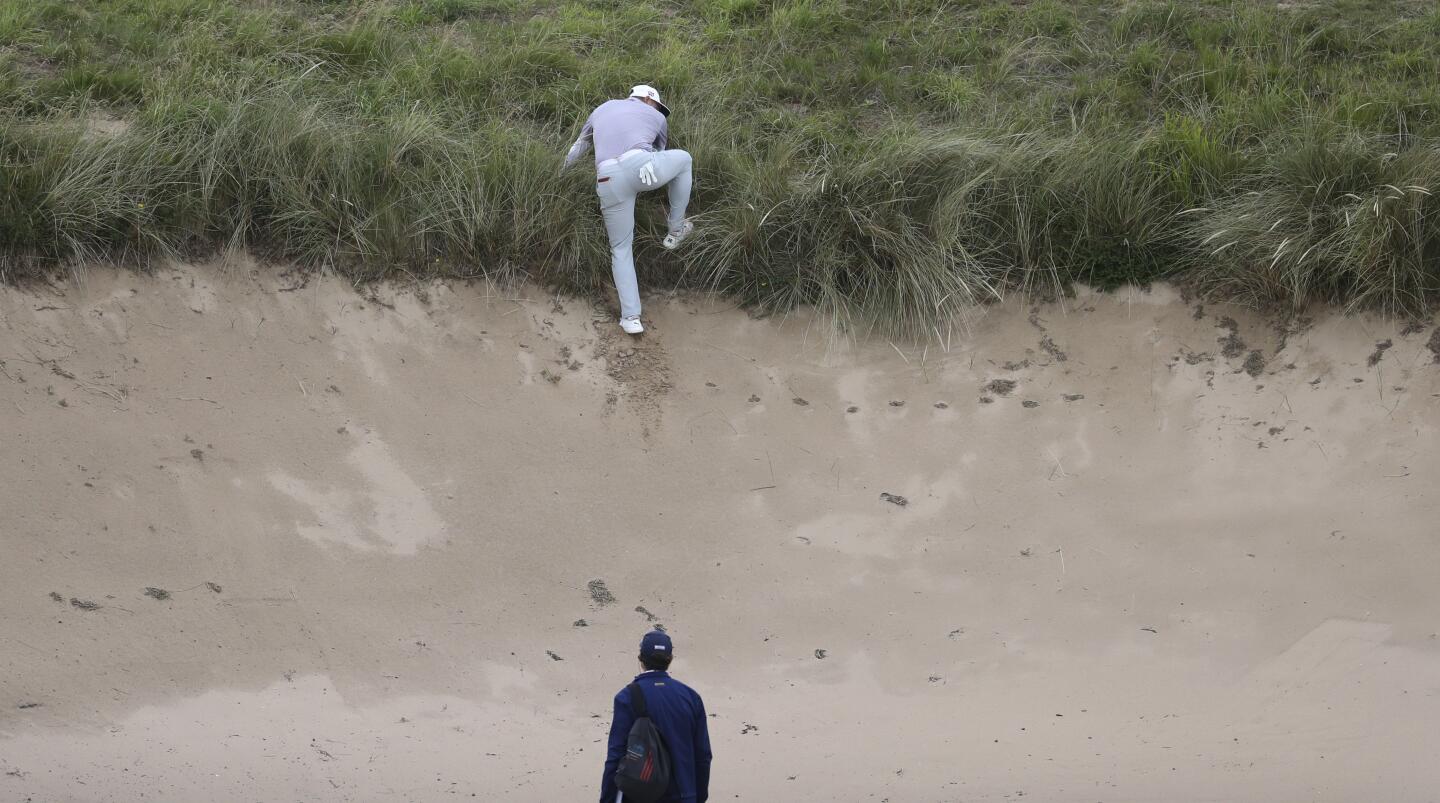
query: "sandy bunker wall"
273, 537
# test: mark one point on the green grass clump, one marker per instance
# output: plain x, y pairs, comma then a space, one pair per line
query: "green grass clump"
889, 161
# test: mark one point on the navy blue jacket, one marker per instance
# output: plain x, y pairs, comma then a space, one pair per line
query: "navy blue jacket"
679, 715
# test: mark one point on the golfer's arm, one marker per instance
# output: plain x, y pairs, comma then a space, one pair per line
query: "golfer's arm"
581, 146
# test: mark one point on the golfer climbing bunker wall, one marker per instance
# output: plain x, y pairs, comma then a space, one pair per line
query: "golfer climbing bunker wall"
267, 538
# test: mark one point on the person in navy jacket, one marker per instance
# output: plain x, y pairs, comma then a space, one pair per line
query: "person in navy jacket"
679, 715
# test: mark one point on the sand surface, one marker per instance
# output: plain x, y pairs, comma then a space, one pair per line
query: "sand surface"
402, 546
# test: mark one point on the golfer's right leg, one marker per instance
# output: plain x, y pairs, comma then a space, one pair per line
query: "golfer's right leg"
618, 209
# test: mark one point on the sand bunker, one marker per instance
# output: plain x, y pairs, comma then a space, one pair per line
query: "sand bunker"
279, 542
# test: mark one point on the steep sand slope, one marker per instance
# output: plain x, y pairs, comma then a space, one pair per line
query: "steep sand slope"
1143, 573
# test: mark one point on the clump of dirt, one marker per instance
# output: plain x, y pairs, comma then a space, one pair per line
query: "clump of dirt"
599, 594
897, 403
1196, 357
754, 399
553, 656
941, 406
581, 623
1379, 353
156, 593
1199, 311
1413, 328
1016, 366
986, 400
1255, 363
639, 366
1030, 403
1231, 346
1048, 346
1001, 387
198, 454
84, 604
894, 499
799, 402
55, 595
852, 409
1073, 397
213, 586
649, 617
820, 654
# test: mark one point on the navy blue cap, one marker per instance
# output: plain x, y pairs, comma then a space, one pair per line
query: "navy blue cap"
656, 642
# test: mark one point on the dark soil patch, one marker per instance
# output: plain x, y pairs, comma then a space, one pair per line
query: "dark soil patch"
852, 409
198, 454
941, 406
599, 594
754, 399
84, 604
820, 654
1412, 328
1016, 366
649, 617
986, 400
1035, 319
1030, 403
894, 499
1379, 353
1073, 397
799, 402
213, 586
1048, 346
1231, 346
1255, 364
1434, 344
27, 706
581, 623
897, 403
553, 656
55, 595
1196, 357
1199, 311
1001, 387
157, 593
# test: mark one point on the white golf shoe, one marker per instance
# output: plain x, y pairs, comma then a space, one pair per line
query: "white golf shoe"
632, 326
673, 238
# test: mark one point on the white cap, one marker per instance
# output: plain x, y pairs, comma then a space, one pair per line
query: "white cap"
647, 91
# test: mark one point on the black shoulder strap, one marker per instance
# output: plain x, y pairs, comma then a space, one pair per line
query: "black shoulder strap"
637, 701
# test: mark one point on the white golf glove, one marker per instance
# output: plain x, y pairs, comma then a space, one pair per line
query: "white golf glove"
647, 174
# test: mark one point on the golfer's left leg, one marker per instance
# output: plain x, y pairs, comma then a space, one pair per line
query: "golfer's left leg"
673, 169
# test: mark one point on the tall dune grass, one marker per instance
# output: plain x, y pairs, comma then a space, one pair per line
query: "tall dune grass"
890, 162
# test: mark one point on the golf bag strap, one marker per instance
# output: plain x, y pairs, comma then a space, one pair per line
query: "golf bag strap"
637, 701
